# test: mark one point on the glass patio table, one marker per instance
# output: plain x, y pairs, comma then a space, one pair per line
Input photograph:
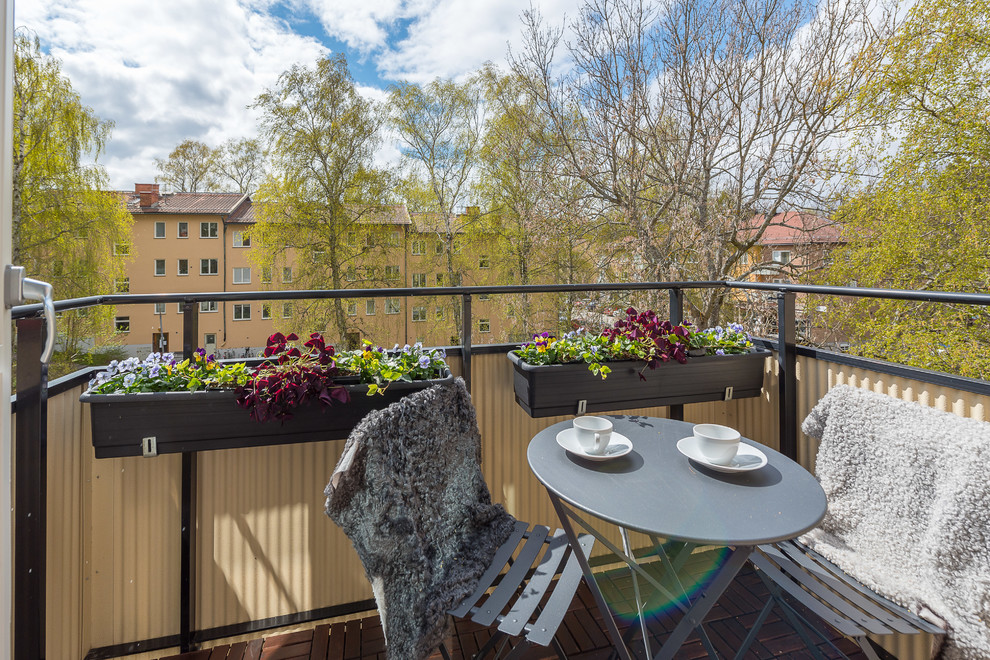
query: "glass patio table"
657, 491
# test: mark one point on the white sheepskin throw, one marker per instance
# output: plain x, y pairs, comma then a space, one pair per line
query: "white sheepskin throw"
908, 507
409, 493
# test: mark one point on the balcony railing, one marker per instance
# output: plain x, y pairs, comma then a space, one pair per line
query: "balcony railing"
120, 556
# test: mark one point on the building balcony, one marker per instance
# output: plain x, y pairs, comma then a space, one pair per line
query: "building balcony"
124, 575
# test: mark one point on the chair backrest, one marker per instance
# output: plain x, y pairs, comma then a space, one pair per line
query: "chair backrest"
908, 505
409, 493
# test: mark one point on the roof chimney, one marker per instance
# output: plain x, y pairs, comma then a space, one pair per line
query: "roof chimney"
148, 192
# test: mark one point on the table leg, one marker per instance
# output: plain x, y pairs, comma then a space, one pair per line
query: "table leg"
589, 578
704, 603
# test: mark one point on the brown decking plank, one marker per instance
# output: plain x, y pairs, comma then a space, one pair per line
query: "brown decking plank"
336, 648
237, 651
253, 650
220, 652
352, 639
321, 641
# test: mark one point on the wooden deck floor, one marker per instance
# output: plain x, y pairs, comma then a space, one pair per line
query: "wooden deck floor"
582, 635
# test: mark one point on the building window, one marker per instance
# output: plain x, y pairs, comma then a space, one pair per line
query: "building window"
419, 279
352, 238
782, 256
369, 307
242, 276
286, 310
121, 249
484, 296
183, 268
159, 308
208, 306
484, 261
122, 324
208, 267
266, 310
318, 256
159, 229
159, 267
352, 308
439, 279
419, 247
392, 306
123, 285
179, 308
266, 275
208, 230
440, 313
183, 230
242, 311
287, 274
391, 272
241, 240
210, 339
351, 275
744, 259
419, 313
484, 325
396, 238
438, 248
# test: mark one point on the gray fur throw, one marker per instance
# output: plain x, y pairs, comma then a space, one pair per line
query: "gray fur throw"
908, 508
409, 493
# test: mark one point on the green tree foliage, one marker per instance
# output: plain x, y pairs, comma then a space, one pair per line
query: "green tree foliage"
440, 127
322, 206
921, 222
65, 222
190, 167
546, 229
240, 163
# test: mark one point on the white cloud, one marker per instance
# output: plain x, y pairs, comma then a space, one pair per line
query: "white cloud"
188, 69
165, 72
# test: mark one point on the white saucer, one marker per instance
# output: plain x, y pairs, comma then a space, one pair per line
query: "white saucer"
620, 445
747, 457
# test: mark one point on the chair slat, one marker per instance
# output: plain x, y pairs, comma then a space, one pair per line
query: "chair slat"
496, 602
546, 625
518, 616
823, 592
907, 615
501, 557
840, 623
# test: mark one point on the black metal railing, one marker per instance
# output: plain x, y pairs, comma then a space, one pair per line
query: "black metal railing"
32, 390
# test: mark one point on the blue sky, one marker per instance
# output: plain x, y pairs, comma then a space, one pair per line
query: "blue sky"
168, 70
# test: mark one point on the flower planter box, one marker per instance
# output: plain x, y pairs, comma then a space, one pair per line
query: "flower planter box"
560, 389
206, 420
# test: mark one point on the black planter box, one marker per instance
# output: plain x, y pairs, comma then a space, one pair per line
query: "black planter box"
559, 389
205, 420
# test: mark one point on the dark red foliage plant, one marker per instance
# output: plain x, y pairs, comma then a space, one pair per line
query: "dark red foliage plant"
655, 340
289, 377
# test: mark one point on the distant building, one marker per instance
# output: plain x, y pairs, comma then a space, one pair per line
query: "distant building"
792, 245
200, 242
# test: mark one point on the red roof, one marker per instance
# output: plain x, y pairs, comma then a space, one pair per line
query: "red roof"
192, 203
796, 228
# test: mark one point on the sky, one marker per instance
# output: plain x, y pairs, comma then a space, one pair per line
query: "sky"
169, 70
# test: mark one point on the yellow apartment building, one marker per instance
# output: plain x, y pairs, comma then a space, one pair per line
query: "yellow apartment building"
201, 242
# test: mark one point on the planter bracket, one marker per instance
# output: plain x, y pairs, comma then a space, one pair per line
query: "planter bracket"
582, 406
149, 447
728, 394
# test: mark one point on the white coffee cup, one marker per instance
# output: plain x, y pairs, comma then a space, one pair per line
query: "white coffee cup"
593, 433
717, 443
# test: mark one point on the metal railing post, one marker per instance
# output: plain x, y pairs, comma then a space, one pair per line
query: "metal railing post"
787, 373
190, 328
466, 339
30, 483
676, 306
